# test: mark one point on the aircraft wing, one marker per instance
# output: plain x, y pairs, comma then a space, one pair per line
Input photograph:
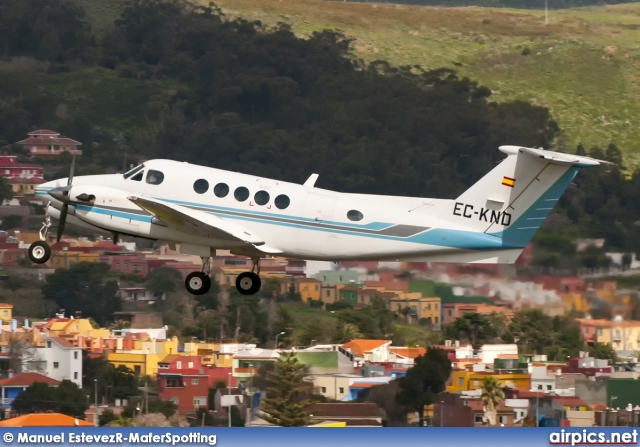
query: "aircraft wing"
199, 222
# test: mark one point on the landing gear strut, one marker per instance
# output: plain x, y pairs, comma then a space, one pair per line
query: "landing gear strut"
199, 283
249, 283
39, 251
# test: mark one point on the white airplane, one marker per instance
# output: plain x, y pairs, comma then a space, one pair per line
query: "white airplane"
202, 209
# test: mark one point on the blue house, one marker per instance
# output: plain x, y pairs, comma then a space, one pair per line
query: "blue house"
12, 386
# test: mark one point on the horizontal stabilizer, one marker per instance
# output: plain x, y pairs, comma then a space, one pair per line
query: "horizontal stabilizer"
557, 158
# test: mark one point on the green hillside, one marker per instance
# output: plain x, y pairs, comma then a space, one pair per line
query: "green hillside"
584, 65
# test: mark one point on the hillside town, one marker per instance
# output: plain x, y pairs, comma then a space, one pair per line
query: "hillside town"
137, 359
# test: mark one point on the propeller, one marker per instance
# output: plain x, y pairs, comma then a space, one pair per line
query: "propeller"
62, 194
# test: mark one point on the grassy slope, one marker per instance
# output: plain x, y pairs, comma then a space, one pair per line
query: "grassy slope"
592, 90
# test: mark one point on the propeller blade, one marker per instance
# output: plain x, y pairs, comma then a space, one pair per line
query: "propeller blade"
73, 166
63, 219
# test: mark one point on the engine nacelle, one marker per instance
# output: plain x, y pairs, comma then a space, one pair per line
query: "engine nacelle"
109, 208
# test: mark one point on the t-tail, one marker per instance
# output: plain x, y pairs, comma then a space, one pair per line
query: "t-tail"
513, 200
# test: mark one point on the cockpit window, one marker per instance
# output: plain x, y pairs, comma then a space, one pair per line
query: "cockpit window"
138, 176
154, 177
133, 171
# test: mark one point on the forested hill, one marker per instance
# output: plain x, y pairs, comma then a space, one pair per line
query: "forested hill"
170, 80
516, 4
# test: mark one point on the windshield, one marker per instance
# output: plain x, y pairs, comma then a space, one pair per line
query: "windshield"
133, 171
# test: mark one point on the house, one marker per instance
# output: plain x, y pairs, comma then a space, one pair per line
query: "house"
140, 295
182, 380
48, 142
369, 350
140, 320
11, 387
366, 414
334, 386
45, 420
23, 178
420, 308
6, 312
308, 288
59, 359
457, 410
227, 397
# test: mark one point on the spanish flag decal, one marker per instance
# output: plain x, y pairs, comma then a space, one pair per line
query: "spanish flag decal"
508, 181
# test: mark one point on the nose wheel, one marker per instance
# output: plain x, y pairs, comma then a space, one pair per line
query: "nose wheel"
39, 252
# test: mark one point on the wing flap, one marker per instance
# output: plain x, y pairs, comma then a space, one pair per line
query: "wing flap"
185, 219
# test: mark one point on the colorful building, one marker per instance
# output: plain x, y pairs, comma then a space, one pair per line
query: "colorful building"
181, 379
23, 178
308, 288
427, 308
48, 142
620, 334
468, 379
142, 355
64, 259
6, 312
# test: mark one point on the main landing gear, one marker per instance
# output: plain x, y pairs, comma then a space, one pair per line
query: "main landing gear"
199, 283
247, 283
39, 251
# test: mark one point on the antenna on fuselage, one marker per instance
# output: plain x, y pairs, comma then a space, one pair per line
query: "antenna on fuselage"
311, 181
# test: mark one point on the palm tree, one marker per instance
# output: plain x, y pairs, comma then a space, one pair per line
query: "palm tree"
492, 395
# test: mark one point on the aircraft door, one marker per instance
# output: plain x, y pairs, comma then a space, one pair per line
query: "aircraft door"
316, 238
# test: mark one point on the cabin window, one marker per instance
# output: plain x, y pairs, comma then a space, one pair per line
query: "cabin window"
201, 186
221, 190
282, 201
154, 177
241, 194
354, 215
261, 197
138, 176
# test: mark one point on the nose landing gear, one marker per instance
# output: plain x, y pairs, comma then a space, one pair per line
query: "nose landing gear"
39, 251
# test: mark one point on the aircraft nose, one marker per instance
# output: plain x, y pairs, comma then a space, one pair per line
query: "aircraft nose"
43, 189
61, 193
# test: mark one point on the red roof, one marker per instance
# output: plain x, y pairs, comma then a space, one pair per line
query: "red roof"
62, 342
52, 141
45, 420
359, 347
27, 379
570, 400
43, 132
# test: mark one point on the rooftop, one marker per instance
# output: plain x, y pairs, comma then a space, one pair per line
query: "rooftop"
45, 420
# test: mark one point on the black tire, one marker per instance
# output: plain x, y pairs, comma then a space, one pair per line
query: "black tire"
39, 252
197, 283
248, 283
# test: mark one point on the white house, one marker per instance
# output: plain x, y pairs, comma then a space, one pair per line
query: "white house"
226, 397
541, 380
58, 359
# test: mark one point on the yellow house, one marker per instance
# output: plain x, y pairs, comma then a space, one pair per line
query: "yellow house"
308, 288
420, 307
330, 293
6, 312
227, 276
472, 380
79, 326
212, 354
143, 355
67, 259
620, 334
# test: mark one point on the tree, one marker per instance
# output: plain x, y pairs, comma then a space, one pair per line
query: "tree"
532, 330
472, 328
286, 407
492, 395
6, 193
66, 398
603, 351
345, 332
426, 379
163, 280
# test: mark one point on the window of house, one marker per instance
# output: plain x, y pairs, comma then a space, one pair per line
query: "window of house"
282, 202
261, 197
355, 215
477, 419
503, 419
221, 190
449, 313
75, 355
428, 306
460, 381
154, 177
48, 344
75, 376
136, 369
241, 194
175, 400
179, 364
56, 365
194, 381
323, 390
328, 293
341, 390
201, 186
549, 387
436, 318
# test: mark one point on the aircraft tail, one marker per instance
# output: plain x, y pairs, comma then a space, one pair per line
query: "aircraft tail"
513, 200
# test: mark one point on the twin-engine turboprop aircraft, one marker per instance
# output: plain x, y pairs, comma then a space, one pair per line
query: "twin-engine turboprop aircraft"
203, 209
